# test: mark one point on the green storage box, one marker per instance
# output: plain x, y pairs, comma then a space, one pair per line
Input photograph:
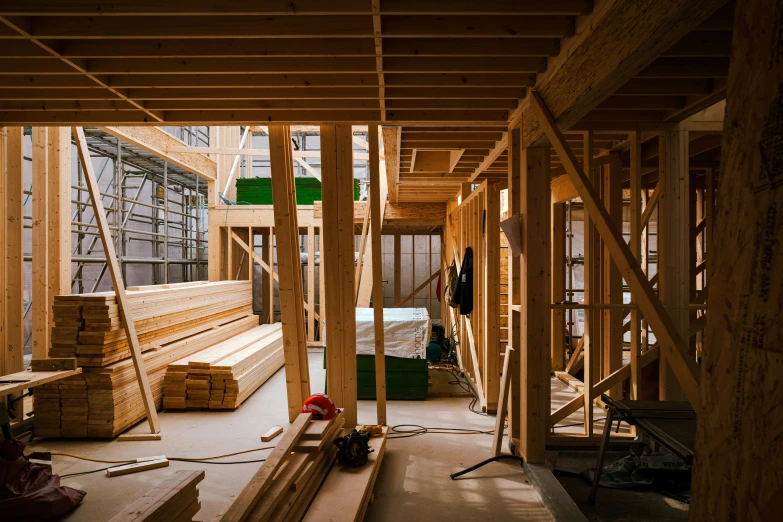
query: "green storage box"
258, 191
406, 379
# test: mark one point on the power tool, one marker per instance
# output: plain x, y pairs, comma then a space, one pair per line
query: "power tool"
353, 449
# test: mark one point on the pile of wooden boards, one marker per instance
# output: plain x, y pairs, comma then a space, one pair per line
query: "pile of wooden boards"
301, 481
224, 375
105, 401
346, 492
176, 500
88, 326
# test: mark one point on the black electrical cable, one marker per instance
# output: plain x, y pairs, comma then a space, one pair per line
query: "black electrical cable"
213, 462
92, 471
466, 387
485, 462
421, 430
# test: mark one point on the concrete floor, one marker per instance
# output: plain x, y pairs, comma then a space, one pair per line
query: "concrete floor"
413, 483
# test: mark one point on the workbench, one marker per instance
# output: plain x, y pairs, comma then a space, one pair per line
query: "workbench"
670, 423
17, 382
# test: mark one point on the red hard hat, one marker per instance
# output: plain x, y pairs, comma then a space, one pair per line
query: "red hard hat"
321, 406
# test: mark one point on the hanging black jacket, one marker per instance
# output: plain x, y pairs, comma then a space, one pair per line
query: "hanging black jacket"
463, 293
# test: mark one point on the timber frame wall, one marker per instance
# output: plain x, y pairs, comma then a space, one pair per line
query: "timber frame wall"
522, 93
475, 223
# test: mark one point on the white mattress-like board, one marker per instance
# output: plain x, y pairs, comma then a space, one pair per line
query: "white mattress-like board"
406, 332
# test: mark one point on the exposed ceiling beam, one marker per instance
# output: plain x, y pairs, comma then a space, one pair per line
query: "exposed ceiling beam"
22, 26
499, 148
594, 65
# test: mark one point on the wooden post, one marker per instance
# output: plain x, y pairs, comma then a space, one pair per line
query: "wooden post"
612, 280
338, 230
289, 269
397, 268
41, 334
590, 345
117, 282
311, 284
59, 213
377, 274
491, 297
737, 471
535, 295
321, 287
673, 246
3, 178
14, 235
558, 271
514, 288
636, 247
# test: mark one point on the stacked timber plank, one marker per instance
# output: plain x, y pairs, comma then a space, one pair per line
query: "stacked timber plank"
105, 401
175, 500
224, 375
285, 485
88, 326
346, 492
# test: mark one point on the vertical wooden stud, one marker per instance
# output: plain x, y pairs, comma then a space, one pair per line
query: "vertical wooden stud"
636, 247
41, 334
339, 242
535, 295
377, 275
59, 213
590, 346
514, 287
289, 269
492, 297
612, 280
311, 284
14, 284
558, 270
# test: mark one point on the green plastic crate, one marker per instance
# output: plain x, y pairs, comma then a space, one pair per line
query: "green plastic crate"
406, 379
258, 191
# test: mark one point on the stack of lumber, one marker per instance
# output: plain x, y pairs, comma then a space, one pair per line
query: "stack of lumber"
224, 375
88, 326
285, 485
346, 492
175, 500
105, 401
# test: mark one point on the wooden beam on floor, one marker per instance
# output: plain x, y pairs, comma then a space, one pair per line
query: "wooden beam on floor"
338, 253
289, 269
673, 345
377, 274
116, 278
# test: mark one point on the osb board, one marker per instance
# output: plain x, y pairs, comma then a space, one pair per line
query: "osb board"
738, 463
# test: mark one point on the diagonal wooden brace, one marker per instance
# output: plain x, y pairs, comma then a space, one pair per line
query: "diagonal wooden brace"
685, 369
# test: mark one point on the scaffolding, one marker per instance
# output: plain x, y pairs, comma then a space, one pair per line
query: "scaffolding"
157, 214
